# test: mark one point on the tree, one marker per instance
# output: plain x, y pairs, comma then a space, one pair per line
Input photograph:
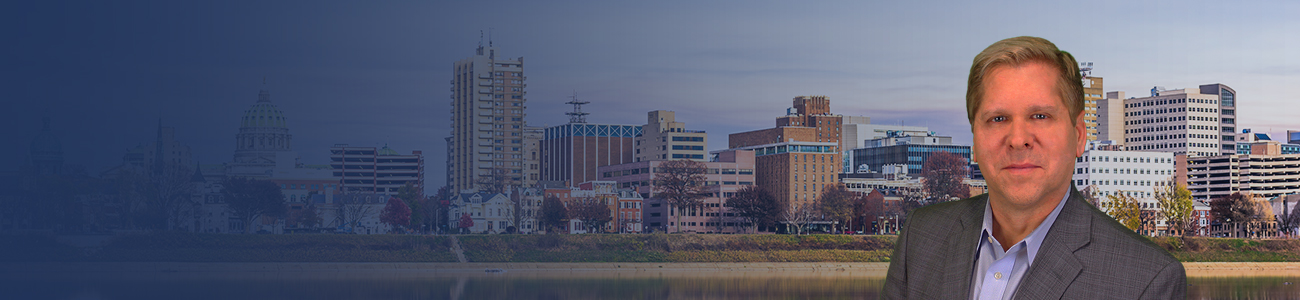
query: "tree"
495, 183
1090, 195
796, 214
910, 200
465, 223
414, 200
1241, 211
593, 213
755, 206
681, 184
307, 217
1176, 207
553, 213
436, 209
868, 206
250, 199
1288, 218
352, 208
396, 213
943, 176
1125, 210
837, 204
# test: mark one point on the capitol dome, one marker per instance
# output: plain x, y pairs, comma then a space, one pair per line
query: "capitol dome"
263, 113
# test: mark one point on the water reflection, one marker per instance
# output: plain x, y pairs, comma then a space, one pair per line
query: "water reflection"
538, 285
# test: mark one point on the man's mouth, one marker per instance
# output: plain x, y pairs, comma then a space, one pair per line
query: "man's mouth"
1021, 167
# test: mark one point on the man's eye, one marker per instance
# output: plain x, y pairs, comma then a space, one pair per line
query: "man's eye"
1040, 116
998, 119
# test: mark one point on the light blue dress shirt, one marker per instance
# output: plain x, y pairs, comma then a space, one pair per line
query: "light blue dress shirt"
997, 273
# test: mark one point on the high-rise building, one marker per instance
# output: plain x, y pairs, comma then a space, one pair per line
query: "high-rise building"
1195, 122
533, 155
663, 138
800, 156
376, 171
487, 120
572, 152
1110, 118
1092, 94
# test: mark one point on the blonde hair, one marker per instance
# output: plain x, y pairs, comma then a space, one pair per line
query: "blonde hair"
1019, 50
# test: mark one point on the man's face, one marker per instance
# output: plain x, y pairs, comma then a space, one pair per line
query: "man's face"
1025, 141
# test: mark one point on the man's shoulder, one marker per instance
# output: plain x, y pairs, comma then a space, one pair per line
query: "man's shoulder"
941, 214
1113, 241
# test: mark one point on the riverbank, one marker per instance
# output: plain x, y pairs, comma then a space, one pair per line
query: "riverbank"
182, 270
582, 248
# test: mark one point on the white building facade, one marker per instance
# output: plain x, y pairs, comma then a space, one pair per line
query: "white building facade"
1195, 122
1110, 170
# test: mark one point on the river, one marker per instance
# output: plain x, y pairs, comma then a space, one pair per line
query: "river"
522, 281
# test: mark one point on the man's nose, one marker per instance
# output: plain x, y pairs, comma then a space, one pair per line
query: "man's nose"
1020, 136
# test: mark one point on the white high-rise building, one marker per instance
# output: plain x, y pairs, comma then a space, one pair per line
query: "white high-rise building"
1195, 122
487, 120
1107, 169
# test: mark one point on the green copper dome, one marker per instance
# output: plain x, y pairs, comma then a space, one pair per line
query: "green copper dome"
263, 114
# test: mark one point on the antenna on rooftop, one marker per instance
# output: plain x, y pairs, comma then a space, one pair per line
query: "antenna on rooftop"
577, 116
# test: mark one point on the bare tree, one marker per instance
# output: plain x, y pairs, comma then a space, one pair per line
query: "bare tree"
943, 175
494, 184
352, 208
796, 214
681, 184
754, 205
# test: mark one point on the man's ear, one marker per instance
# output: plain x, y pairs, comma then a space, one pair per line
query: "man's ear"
1082, 130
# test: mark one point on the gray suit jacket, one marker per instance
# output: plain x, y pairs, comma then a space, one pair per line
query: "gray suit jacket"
1086, 255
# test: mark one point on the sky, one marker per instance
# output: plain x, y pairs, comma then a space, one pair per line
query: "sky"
375, 74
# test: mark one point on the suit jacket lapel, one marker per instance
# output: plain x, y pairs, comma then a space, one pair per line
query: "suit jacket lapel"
1055, 266
961, 247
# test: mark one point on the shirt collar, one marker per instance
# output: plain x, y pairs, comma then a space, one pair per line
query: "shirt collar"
1035, 238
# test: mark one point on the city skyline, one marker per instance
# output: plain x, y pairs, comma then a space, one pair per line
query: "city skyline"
375, 75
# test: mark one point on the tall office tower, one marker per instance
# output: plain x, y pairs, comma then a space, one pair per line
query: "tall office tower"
380, 171
1110, 118
487, 120
532, 155
1194, 122
800, 157
1092, 94
663, 138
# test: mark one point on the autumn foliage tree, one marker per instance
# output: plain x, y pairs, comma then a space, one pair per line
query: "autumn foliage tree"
943, 176
680, 183
837, 203
396, 213
465, 223
1125, 210
1176, 207
868, 206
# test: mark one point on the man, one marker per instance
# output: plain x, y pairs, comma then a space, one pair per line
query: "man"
1032, 236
